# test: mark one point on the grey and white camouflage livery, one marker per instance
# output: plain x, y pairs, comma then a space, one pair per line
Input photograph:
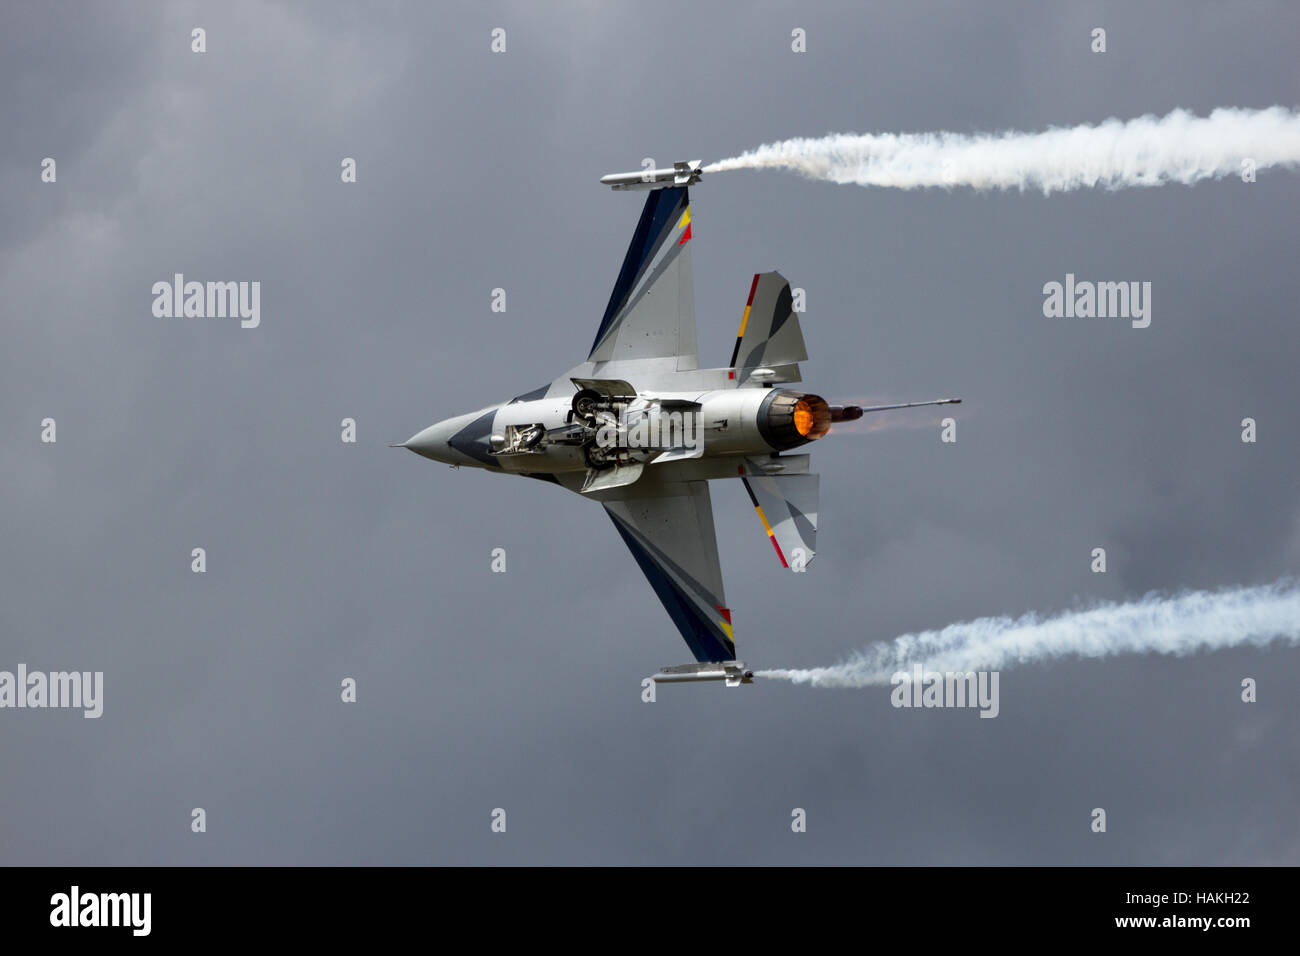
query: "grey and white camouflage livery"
642, 429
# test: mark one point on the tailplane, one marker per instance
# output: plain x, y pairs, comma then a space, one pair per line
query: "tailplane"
769, 336
787, 506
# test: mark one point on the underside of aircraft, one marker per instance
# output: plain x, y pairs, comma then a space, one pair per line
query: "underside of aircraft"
642, 429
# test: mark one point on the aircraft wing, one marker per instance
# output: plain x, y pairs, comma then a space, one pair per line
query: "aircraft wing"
668, 526
651, 312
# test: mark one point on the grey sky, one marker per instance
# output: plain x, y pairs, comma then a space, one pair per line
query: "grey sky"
481, 690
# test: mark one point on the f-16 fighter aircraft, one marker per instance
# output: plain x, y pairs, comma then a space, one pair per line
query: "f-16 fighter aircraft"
642, 429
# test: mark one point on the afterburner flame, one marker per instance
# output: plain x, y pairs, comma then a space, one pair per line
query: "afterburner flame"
803, 417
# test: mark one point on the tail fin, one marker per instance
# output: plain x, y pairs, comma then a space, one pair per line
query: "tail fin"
787, 506
769, 330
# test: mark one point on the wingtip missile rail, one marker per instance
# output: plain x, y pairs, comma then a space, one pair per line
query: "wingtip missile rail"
681, 174
734, 673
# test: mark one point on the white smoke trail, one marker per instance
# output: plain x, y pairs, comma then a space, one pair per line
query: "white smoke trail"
1147, 151
1178, 624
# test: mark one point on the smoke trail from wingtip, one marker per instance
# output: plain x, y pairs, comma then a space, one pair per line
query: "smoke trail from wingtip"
1177, 624
1148, 151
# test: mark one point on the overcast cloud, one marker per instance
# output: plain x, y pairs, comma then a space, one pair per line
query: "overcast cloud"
522, 690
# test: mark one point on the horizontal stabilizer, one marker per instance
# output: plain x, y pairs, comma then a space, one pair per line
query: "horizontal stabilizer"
769, 330
787, 506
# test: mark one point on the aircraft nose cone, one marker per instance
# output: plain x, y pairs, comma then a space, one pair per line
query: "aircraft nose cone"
463, 440
431, 443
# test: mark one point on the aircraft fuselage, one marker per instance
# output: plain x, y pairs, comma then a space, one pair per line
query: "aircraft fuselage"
607, 424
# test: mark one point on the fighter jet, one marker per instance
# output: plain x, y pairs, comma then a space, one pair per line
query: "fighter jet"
642, 429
